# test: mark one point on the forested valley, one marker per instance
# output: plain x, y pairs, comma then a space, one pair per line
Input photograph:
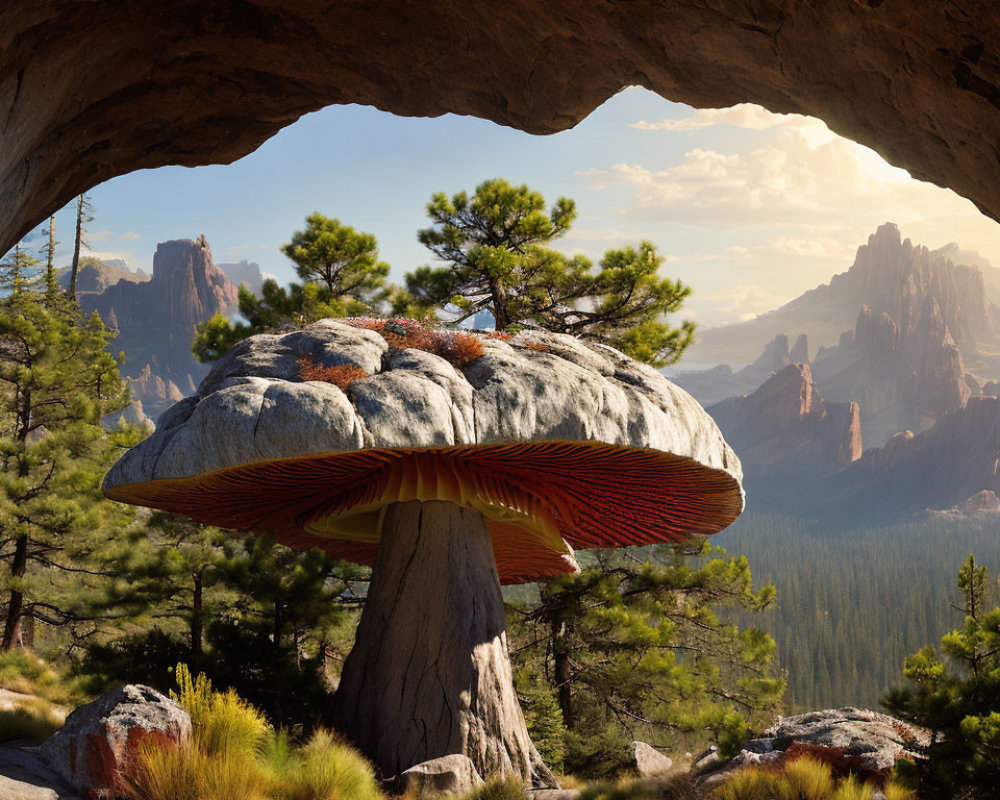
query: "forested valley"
853, 603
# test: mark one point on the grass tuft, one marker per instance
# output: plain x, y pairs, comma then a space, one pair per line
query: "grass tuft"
501, 789
236, 755
809, 779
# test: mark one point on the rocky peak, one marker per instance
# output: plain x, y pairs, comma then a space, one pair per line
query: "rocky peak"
799, 354
892, 275
156, 319
191, 286
876, 333
785, 433
244, 272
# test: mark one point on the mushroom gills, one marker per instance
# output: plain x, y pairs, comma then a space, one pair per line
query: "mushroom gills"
509, 509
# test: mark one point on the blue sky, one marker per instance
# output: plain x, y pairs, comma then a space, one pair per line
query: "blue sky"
749, 207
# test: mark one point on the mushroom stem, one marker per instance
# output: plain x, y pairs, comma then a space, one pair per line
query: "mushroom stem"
429, 674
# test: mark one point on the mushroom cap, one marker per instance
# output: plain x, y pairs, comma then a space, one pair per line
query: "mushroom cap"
560, 444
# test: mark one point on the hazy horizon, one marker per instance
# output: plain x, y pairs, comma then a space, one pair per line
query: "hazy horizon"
750, 208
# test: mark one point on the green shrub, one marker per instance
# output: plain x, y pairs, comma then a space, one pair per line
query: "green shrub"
146, 658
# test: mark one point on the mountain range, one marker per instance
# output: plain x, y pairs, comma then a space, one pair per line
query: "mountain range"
896, 412
913, 373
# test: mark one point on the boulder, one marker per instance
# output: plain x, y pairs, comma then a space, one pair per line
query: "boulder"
878, 740
649, 762
454, 774
98, 739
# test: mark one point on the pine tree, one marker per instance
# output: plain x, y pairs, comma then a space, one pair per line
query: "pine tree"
170, 573
496, 248
20, 271
56, 384
956, 694
49, 251
341, 276
84, 209
634, 647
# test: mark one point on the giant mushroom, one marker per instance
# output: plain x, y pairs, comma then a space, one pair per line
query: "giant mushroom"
449, 480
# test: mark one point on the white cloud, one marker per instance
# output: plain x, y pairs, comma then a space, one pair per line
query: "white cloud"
98, 236
813, 247
743, 115
788, 180
742, 302
130, 236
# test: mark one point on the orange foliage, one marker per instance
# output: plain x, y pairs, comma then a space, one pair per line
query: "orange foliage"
461, 349
838, 760
341, 375
541, 348
503, 336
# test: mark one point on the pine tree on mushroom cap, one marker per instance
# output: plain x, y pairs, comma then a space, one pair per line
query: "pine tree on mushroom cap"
498, 260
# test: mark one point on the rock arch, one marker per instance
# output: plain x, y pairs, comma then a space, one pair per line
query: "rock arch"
90, 90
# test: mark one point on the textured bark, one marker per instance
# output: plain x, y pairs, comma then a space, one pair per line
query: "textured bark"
15, 605
90, 90
429, 674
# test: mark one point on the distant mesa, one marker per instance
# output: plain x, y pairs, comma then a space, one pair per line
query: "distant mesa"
716, 384
786, 434
947, 466
96, 275
156, 317
244, 272
982, 504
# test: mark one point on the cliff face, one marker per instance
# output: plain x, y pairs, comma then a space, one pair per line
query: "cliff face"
897, 278
903, 376
938, 469
786, 434
156, 319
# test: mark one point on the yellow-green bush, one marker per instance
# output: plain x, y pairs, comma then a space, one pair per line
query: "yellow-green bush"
326, 769
221, 722
235, 755
801, 779
809, 779
164, 772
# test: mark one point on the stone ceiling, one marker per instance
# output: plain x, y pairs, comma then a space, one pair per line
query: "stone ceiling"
91, 89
